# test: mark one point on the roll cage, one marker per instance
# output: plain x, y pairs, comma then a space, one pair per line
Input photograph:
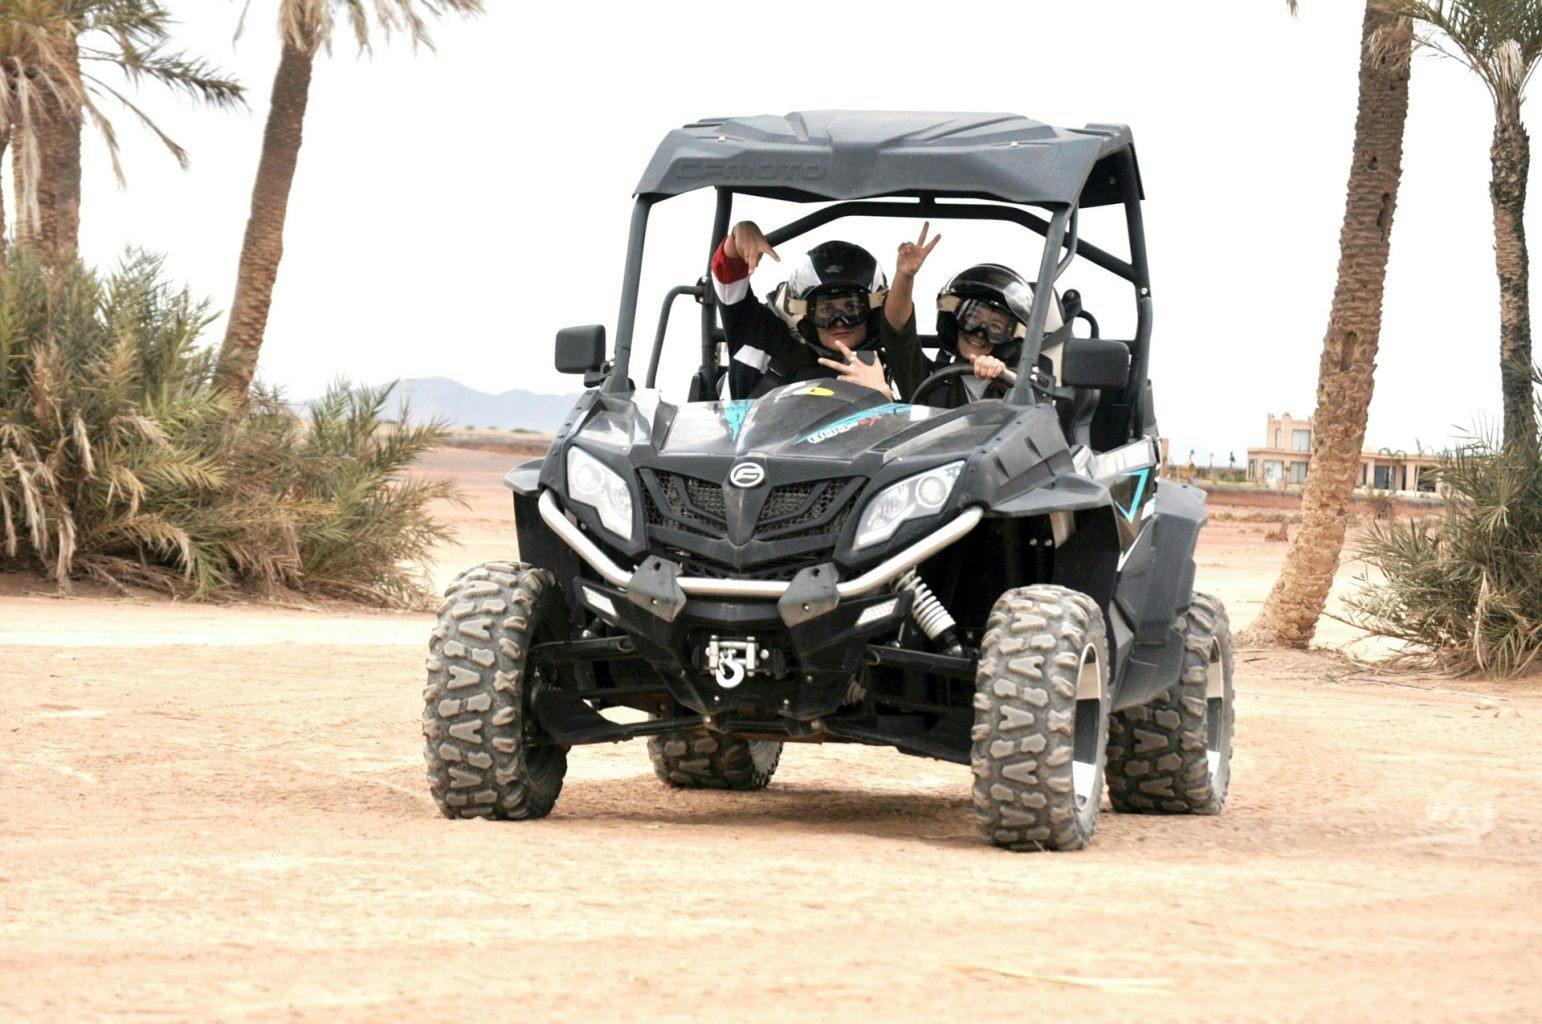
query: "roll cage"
875, 165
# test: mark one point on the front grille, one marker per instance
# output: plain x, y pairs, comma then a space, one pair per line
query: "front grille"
707, 497
810, 511
688, 504
786, 500
796, 510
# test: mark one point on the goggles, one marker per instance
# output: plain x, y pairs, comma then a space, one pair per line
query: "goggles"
851, 308
994, 326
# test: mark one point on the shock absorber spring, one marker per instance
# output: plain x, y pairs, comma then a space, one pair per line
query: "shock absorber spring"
930, 613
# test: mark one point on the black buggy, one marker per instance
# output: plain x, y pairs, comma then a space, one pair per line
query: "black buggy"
1006, 585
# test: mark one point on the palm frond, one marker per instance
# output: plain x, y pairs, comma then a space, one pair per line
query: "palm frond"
193, 76
1498, 40
311, 25
108, 135
45, 45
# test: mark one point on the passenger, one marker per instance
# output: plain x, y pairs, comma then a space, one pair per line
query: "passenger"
982, 318
839, 307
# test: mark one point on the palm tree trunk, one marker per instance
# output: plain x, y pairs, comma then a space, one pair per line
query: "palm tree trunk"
5, 243
1346, 373
1511, 159
54, 233
263, 247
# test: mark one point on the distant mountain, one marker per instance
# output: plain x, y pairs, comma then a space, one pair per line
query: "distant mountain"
441, 398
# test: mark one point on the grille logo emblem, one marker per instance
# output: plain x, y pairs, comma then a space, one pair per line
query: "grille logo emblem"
747, 474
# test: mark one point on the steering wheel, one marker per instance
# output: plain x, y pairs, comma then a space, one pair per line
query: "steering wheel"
947, 373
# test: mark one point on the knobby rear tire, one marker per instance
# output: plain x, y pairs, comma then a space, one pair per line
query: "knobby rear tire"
699, 759
1173, 755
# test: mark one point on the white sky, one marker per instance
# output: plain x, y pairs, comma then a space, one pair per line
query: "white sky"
452, 211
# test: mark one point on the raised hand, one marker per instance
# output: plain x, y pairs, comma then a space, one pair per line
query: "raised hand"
869, 375
747, 242
913, 254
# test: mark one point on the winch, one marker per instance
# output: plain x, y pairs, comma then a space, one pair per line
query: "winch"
731, 660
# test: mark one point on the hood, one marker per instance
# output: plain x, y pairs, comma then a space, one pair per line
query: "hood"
829, 423
813, 419
809, 452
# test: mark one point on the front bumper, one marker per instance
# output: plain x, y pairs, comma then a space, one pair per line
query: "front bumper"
766, 590
821, 626
815, 661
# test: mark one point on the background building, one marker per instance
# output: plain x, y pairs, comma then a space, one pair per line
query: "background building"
1287, 453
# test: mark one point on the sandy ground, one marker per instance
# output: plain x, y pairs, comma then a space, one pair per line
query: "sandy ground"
218, 813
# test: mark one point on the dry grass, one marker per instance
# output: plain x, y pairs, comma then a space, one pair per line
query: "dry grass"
1464, 589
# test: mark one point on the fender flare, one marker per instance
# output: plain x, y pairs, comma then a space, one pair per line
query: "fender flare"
1067, 492
1154, 591
525, 478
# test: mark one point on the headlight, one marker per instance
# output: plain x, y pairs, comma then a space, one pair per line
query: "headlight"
592, 483
914, 497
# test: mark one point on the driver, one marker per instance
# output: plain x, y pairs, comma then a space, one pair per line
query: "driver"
845, 319
982, 318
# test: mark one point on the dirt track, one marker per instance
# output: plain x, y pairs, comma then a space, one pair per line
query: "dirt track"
219, 813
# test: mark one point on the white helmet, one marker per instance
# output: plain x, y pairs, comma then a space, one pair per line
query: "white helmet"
835, 282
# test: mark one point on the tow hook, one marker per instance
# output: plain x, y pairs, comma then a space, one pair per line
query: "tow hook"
731, 660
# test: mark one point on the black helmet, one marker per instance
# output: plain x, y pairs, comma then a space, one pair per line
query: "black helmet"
836, 282
992, 286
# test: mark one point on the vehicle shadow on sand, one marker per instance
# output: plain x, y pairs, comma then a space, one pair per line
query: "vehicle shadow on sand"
933, 817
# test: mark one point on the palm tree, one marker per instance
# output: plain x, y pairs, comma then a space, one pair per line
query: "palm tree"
51, 56
305, 29
1501, 42
1345, 375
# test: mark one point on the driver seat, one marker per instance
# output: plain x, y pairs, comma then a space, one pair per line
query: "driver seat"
1075, 412
1076, 415
703, 389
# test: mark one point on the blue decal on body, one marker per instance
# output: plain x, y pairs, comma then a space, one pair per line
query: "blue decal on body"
853, 421
734, 413
1140, 490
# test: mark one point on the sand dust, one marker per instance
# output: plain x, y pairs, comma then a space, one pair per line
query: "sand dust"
219, 813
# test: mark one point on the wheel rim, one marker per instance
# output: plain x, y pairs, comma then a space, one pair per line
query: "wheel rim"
1215, 709
1087, 752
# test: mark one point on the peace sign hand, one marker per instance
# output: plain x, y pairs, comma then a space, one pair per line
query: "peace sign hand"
913, 254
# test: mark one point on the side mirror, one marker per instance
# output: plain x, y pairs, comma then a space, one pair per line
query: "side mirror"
581, 349
1095, 363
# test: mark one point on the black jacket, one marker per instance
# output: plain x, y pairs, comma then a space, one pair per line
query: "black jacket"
764, 353
953, 392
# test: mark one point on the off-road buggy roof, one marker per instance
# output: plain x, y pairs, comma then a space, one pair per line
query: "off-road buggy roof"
839, 154
923, 165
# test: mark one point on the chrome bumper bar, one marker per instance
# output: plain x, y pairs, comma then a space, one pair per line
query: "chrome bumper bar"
697, 586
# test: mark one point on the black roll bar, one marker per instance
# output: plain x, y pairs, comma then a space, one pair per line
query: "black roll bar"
694, 290
1054, 240
1140, 352
932, 210
1073, 245
619, 382
711, 333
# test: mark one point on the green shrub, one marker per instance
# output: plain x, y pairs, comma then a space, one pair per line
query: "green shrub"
366, 526
120, 460
1464, 590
